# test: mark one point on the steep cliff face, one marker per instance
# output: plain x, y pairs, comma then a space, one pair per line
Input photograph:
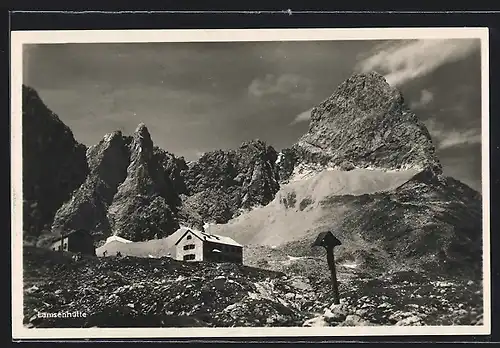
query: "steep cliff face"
365, 123
429, 221
87, 208
132, 190
54, 163
222, 183
139, 191
140, 209
288, 158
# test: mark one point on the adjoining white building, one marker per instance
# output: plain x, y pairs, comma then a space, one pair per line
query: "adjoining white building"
195, 245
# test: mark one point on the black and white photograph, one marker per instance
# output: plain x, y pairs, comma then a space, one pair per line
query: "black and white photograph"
240, 182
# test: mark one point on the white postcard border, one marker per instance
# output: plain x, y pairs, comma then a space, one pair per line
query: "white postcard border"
19, 38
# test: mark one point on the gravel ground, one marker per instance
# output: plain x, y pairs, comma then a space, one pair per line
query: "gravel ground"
146, 292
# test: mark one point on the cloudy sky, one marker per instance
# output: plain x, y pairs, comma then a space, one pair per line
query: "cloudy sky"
196, 97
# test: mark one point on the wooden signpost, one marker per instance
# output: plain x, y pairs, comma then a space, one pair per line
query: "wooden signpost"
329, 241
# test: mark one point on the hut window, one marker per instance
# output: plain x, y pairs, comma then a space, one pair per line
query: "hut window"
65, 246
188, 246
189, 257
189, 237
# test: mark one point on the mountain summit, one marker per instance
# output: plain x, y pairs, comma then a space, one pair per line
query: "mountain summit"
365, 123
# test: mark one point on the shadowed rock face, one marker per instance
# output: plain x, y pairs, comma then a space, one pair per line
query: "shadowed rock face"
88, 206
432, 222
54, 164
139, 211
132, 190
366, 123
139, 191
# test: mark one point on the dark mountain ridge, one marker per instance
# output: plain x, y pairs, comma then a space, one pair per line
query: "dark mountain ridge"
54, 164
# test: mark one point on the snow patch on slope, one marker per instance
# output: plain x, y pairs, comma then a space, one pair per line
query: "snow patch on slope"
280, 222
306, 171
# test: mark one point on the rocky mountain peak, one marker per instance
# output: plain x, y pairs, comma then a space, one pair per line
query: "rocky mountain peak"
108, 161
132, 189
112, 136
365, 123
222, 182
142, 132
256, 150
361, 92
254, 143
111, 148
142, 144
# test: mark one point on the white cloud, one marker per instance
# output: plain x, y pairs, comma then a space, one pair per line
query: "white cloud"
291, 85
408, 60
455, 138
426, 97
302, 117
445, 138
